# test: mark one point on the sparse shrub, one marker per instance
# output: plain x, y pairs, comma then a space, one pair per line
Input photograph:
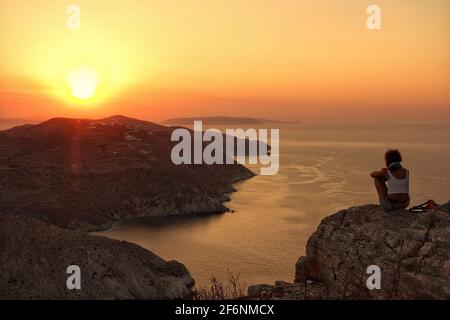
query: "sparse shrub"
230, 289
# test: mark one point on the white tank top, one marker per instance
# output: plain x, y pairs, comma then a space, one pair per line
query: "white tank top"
395, 185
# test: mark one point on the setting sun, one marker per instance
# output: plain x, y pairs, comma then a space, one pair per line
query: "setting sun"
159, 60
83, 83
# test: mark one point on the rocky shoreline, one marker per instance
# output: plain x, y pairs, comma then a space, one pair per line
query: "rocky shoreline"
412, 251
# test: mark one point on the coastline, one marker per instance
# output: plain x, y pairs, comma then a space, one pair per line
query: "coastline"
193, 215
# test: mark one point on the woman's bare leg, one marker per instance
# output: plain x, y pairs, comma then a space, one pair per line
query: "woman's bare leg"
380, 185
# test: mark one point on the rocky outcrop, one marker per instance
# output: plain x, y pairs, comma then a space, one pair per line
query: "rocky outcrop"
87, 174
34, 257
412, 251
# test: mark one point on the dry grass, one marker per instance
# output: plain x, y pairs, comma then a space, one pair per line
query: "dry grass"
230, 289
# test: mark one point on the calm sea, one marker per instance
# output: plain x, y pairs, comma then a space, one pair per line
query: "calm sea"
324, 168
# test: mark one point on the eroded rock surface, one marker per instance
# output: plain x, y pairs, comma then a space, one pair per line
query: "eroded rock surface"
34, 257
411, 249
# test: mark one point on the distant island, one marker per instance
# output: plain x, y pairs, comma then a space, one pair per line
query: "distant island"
222, 120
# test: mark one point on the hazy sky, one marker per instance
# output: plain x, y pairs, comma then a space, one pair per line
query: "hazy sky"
284, 59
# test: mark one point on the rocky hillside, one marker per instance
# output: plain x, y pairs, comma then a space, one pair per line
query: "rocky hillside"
411, 249
34, 257
86, 174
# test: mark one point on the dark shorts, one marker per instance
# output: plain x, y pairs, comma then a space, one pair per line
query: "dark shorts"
390, 204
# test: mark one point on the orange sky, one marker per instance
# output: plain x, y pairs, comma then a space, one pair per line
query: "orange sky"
283, 59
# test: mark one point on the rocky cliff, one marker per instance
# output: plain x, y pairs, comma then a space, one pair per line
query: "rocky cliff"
34, 257
86, 174
412, 251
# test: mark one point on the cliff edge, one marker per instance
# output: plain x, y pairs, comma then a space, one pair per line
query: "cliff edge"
412, 251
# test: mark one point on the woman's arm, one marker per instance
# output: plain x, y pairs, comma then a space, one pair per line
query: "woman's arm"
380, 174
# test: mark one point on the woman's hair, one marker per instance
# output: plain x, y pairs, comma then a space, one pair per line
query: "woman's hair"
392, 156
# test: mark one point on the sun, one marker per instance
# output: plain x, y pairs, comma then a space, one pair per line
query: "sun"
83, 83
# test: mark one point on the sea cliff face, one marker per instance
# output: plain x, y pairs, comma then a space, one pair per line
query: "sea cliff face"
412, 251
34, 257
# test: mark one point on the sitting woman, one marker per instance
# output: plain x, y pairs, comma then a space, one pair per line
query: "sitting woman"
392, 183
